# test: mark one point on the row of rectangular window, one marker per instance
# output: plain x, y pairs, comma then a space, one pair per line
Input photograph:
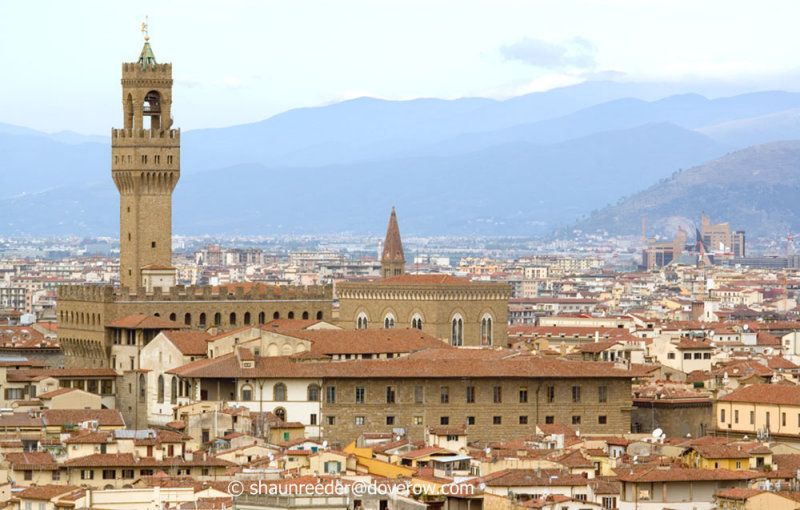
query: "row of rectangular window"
444, 395
156, 159
445, 420
753, 417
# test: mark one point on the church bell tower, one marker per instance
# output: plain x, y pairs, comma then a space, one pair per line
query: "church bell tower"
145, 165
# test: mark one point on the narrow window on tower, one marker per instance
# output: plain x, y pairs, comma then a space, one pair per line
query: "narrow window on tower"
153, 244
156, 159
169, 160
129, 236
144, 159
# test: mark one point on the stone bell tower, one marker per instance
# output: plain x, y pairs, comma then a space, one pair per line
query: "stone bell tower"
393, 260
146, 167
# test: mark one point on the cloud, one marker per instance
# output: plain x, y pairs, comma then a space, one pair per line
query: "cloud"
603, 74
232, 81
575, 53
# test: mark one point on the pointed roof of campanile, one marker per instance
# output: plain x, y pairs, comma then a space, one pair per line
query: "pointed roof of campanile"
393, 246
147, 58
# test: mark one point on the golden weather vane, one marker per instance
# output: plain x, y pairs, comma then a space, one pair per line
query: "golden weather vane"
145, 29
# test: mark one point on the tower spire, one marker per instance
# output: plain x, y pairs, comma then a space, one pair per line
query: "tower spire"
393, 261
146, 57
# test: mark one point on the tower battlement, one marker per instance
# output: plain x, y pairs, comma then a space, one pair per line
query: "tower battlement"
179, 293
134, 70
136, 137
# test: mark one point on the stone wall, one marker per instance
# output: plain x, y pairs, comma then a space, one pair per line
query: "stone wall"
414, 416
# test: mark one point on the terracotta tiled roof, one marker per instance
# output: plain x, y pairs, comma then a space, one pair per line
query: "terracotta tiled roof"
143, 321
677, 474
738, 493
46, 492
90, 437
19, 420
190, 343
765, 393
767, 339
423, 279
55, 393
574, 459
32, 460
104, 417
25, 337
429, 363
448, 431
423, 452
533, 478
128, 459
713, 451
686, 343
33, 374
366, 341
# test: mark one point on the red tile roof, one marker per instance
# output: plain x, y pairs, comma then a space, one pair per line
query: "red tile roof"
423, 279
143, 321
429, 363
47, 492
190, 343
678, 474
104, 417
366, 341
765, 393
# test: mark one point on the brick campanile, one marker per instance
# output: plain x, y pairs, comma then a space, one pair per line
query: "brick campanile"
145, 165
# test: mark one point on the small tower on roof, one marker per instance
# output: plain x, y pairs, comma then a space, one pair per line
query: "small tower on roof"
393, 261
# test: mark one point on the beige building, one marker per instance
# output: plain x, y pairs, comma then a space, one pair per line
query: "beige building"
759, 409
455, 310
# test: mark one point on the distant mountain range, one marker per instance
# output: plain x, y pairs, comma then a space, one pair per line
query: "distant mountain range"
755, 189
524, 166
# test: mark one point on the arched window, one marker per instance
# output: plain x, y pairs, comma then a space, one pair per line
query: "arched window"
187, 319
319, 315
276, 315
457, 331
217, 319
305, 316
388, 321
173, 398
142, 387
416, 321
152, 110
279, 392
280, 413
160, 389
203, 320
233, 319
313, 393
247, 393
262, 317
246, 318
486, 330
291, 315
172, 317
361, 321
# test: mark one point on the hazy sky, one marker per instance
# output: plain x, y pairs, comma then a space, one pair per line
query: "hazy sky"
242, 61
